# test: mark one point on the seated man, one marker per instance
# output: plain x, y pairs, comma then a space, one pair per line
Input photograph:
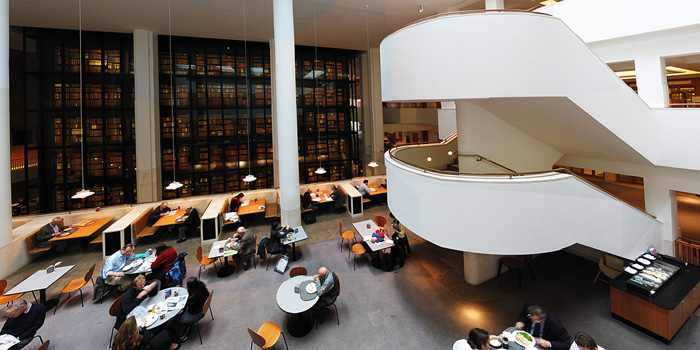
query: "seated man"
23, 320
307, 202
112, 271
134, 296
190, 224
364, 190
158, 213
338, 197
326, 290
246, 245
583, 341
49, 231
547, 330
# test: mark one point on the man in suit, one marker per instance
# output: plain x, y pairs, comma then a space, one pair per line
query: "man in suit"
307, 202
246, 244
547, 330
191, 223
338, 198
158, 213
53, 229
23, 320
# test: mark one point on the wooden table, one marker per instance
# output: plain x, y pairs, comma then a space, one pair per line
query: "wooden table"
321, 197
41, 281
85, 231
378, 189
254, 207
300, 322
169, 219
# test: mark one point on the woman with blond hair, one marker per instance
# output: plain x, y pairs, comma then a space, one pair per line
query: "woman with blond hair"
130, 338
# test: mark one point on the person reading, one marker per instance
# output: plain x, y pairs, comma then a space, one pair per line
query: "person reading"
134, 296
51, 230
23, 320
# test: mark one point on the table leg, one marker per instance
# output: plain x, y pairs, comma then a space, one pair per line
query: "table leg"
295, 254
49, 304
226, 270
300, 325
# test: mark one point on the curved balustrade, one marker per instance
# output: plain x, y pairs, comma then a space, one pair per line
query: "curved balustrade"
514, 213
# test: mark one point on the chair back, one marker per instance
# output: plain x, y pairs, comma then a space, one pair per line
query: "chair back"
88, 275
340, 228
199, 253
3, 285
358, 249
257, 338
299, 270
255, 247
207, 303
380, 221
337, 280
44, 345
614, 262
114, 308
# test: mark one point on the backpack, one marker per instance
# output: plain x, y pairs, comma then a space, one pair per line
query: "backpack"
178, 271
309, 219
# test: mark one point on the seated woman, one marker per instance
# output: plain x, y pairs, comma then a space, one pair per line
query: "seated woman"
277, 232
134, 296
165, 259
130, 338
235, 203
478, 339
198, 294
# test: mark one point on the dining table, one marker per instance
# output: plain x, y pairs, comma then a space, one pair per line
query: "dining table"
170, 218
139, 265
513, 345
365, 229
255, 206
170, 304
297, 234
83, 229
300, 321
321, 196
376, 189
218, 250
41, 281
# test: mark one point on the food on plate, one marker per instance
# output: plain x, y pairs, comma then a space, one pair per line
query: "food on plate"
311, 288
524, 339
495, 342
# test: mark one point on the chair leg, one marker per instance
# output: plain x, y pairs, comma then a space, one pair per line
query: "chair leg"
268, 262
58, 300
199, 274
336, 314
532, 273
211, 313
500, 263
200, 333
251, 345
596, 276
34, 295
341, 244
111, 334
81, 297
353, 262
285, 341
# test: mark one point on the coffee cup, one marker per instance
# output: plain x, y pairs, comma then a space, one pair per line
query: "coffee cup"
162, 315
175, 292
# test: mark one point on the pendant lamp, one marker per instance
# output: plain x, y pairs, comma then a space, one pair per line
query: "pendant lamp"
320, 170
83, 193
175, 184
371, 164
250, 177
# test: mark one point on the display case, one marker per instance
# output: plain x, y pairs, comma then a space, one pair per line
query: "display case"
649, 273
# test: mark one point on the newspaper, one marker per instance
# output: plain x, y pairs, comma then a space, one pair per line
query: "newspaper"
7, 341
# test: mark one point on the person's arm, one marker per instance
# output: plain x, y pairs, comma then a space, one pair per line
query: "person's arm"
560, 339
160, 260
111, 269
327, 285
522, 317
38, 322
7, 327
147, 289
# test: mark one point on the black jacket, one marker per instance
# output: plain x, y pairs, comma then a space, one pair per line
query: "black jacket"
130, 300
306, 200
156, 215
192, 221
25, 325
45, 234
553, 332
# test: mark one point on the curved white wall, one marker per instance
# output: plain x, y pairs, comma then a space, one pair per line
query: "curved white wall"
526, 215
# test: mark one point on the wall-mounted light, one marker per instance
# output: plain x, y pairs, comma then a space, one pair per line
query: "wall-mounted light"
430, 159
421, 9
449, 153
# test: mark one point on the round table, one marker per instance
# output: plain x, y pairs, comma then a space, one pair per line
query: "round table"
300, 321
160, 296
512, 345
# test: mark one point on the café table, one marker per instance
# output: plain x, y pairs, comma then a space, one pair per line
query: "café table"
362, 229
321, 197
170, 218
83, 231
300, 320
254, 206
219, 249
160, 297
41, 281
298, 235
376, 189
512, 345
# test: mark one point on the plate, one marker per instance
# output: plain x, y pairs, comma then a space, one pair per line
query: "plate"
67, 229
151, 319
524, 339
367, 237
495, 342
311, 288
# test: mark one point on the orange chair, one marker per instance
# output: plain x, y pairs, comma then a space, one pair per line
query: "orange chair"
113, 310
380, 221
7, 298
297, 271
44, 345
347, 235
76, 284
357, 249
203, 261
207, 307
266, 336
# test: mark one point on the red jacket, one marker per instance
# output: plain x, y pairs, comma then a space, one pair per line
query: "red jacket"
165, 260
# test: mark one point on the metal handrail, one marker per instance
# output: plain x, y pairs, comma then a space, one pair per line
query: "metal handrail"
513, 174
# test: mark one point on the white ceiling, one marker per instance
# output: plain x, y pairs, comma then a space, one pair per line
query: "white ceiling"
339, 23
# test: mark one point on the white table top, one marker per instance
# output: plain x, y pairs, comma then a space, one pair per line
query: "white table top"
160, 296
40, 280
361, 228
298, 235
214, 251
291, 302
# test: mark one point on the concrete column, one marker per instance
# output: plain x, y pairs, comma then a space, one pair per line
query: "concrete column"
652, 86
5, 173
495, 5
273, 88
149, 182
372, 114
661, 202
286, 111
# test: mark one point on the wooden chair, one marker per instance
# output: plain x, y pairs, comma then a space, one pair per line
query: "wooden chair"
44, 345
297, 271
380, 221
349, 236
267, 335
516, 263
113, 310
207, 307
203, 261
77, 284
8, 298
357, 249
611, 266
